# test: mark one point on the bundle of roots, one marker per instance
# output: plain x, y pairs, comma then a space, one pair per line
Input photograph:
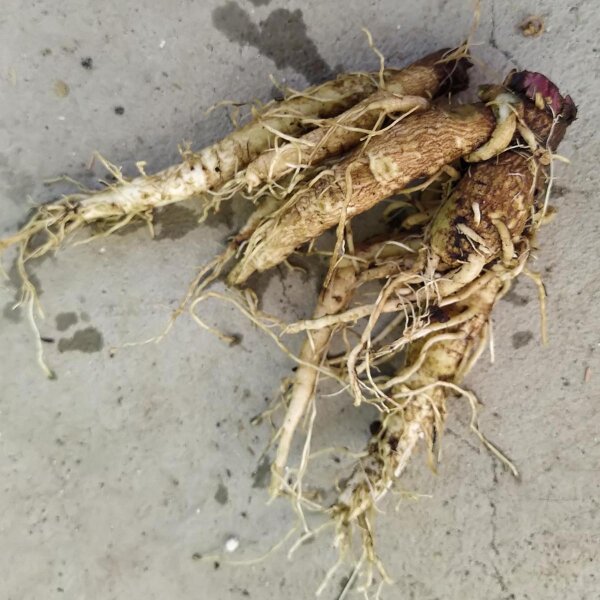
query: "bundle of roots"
465, 189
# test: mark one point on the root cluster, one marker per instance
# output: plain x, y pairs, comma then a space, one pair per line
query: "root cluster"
465, 188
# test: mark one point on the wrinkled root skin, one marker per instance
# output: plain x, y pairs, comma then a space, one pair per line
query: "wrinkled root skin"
503, 189
215, 166
417, 147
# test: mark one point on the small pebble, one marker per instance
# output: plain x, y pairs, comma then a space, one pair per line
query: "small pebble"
61, 89
232, 544
532, 26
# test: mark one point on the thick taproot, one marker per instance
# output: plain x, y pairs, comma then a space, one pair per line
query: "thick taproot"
500, 189
416, 147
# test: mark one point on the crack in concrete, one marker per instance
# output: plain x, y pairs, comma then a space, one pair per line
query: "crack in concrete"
493, 545
493, 41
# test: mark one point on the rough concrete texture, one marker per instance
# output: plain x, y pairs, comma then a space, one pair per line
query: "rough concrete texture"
136, 461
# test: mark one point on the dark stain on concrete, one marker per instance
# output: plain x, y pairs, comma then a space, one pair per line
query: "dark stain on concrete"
515, 298
84, 317
282, 37
86, 340
10, 313
260, 477
558, 191
133, 225
521, 338
222, 494
260, 2
174, 222
65, 320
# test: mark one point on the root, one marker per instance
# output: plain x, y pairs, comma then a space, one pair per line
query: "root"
257, 317
506, 126
329, 139
537, 279
337, 292
390, 165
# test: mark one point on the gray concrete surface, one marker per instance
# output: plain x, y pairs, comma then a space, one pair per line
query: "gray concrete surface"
117, 473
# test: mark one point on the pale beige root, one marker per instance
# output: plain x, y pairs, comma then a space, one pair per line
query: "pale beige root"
210, 168
331, 300
198, 172
416, 147
505, 107
398, 91
480, 221
350, 272
331, 138
414, 413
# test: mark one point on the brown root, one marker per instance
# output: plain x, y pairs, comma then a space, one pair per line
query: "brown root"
418, 146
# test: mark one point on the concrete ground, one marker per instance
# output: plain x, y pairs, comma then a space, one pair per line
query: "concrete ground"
121, 476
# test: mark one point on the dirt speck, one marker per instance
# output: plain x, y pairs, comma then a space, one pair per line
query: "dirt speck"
174, 222
282, 37
87, 63
65, 320
119, 110
86, 340
222, 494
521, 338
61, 89
260, 477
532, 26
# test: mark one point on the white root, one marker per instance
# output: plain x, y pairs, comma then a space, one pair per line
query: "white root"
213, 169
199, 172
312, 353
